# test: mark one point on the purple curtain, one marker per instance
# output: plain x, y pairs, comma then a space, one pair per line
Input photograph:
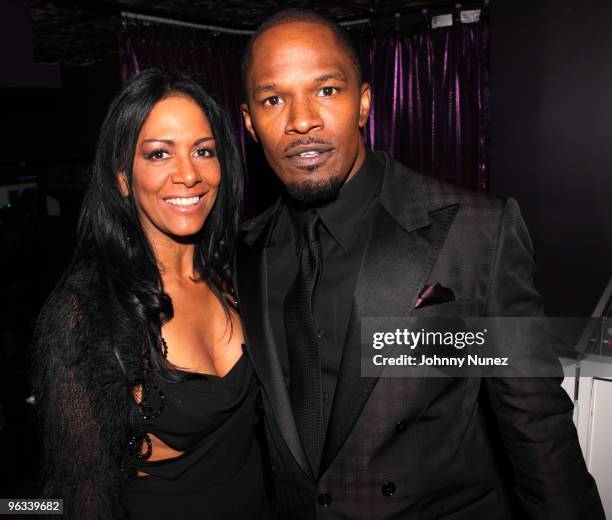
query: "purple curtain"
430, 93
430, 100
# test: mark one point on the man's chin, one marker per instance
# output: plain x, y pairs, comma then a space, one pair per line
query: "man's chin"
314, 192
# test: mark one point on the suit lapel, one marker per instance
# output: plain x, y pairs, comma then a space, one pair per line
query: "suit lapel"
252, 289
404, 242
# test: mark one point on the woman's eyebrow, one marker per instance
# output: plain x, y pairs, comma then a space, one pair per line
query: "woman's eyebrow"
167, 141
170, 141
204, 139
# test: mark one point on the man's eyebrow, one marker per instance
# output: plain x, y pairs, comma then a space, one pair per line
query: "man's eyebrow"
331, 75
265, 88
270, 87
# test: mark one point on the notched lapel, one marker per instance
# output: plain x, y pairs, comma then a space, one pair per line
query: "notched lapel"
252, 288
396, 265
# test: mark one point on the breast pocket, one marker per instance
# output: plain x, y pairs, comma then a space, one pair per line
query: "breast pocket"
460, 307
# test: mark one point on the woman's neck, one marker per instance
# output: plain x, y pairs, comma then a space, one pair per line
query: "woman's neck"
175, 259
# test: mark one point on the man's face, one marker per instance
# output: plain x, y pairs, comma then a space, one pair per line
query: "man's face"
306, 108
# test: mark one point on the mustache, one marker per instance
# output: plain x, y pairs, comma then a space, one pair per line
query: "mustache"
304, 141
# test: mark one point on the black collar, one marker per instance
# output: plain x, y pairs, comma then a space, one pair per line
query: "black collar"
402, 195
342, 215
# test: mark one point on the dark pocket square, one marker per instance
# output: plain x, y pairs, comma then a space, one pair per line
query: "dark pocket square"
433, 294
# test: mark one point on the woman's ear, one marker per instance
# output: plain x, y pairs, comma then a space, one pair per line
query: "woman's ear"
123, 184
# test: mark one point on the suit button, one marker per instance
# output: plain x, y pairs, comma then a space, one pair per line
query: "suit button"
325, 396
324, 499
401, 426
388, 488
321, 333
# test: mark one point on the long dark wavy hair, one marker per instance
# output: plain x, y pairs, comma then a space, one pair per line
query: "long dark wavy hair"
109, 233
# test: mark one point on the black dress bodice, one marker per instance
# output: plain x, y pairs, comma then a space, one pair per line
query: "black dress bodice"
211, 420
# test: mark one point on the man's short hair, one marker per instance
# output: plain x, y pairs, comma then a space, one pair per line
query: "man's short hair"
300, 15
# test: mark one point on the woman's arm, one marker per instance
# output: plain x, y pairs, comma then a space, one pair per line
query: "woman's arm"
80, 401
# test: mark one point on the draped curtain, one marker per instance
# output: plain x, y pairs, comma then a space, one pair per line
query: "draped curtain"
430, 99
430, 93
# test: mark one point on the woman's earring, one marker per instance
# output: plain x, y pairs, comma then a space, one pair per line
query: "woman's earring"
127, 238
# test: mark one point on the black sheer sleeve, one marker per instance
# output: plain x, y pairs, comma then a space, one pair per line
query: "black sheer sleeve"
82, 407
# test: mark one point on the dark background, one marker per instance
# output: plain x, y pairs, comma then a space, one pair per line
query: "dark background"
551, 139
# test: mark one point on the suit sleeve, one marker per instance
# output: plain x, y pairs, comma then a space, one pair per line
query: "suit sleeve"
534, 414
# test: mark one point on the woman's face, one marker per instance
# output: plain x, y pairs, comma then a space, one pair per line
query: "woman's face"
176, 172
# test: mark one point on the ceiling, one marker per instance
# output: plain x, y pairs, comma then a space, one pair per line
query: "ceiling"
76, 33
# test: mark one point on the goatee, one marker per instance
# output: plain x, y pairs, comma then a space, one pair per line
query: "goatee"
311, 193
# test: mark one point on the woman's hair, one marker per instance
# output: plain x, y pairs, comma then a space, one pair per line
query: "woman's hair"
109, 233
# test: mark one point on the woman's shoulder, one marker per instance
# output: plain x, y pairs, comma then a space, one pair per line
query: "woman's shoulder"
82, 279
78, 282
73, 306
77, 331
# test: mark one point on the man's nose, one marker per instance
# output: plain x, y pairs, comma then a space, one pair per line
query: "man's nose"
186, 173
303, 117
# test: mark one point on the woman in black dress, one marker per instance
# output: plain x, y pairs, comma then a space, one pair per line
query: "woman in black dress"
146, 399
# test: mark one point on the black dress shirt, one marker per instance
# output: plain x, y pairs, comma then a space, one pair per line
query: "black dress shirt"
343, 231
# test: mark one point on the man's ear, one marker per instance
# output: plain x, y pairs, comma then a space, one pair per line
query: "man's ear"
122, 182
247, 121
364, 104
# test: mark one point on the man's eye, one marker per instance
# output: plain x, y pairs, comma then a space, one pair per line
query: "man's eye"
328, 91
157, 155
272, 101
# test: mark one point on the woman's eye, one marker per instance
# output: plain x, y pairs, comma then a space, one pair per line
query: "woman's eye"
272, 101
205, 152
156, 155
328, 91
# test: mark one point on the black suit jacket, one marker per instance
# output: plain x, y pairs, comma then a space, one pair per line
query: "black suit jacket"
415, 448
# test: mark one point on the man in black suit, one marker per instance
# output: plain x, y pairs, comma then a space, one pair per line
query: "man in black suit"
355, 235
